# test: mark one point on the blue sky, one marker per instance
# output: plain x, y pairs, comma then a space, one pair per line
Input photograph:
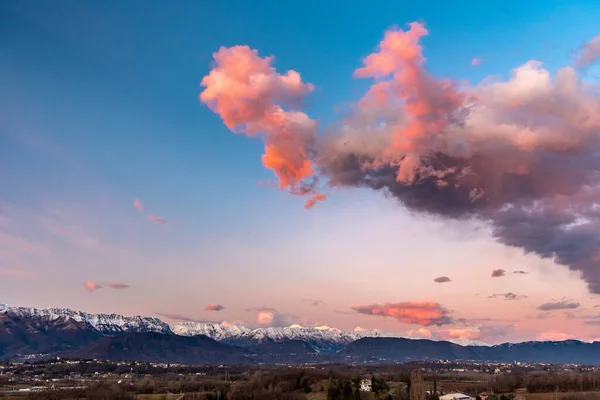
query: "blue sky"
99, 105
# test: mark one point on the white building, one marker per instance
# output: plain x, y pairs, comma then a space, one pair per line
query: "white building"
365, 385
456, 396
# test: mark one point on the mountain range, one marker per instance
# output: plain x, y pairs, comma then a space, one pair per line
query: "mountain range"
31, 333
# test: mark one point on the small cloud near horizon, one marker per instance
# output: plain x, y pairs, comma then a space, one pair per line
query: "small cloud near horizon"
497, 273
554, 336
270, 317
117, 285
507, 296
519, 272
312, 302
179, 317
563, 304
442, 279
92, 286
425, 313
214, 307
476, 61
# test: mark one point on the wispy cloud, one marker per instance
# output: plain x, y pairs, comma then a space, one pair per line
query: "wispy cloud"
476, 61
214, 307
93, 286
312, 302
424, 313
483, 332
117, 285
442, 279
155, 218
554, 336
507, 296
563, 304
497, 273
178, 317
15, 273
589, 54
20, 246
519, 272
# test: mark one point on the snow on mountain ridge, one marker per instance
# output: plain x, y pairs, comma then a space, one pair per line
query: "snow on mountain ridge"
322, 338
103, 323
467, 342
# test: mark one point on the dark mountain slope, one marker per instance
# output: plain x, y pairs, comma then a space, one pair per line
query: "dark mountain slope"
401, 350
24, 335
157, 347
564, 352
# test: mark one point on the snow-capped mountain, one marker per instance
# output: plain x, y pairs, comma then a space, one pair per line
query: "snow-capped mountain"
322, 338
103, 323
468, 342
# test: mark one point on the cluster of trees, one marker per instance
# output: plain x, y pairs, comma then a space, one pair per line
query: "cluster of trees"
552, 381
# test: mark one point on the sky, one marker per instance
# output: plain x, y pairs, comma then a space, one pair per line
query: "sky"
419, 168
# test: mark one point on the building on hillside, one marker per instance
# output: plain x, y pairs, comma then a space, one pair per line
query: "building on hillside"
365, 385
456, 396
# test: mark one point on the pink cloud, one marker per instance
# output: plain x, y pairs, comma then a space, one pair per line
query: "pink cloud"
214, 307
21, 246
92, 286
118, 285
265, 317
427, 103
311, 201
589, 54
497, 273
250, 96
424, 313
554, 335
421, 333
476, 61
138, 205
463, 333
157, 219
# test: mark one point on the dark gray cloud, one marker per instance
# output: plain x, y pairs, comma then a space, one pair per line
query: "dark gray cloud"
214, 307
497, 273
507, 296
313, 302
442, 279
520, 272
559, 305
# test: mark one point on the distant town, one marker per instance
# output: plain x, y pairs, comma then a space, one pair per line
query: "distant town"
440, 380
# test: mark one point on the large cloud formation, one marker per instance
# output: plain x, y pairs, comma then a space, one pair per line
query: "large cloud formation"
522, 154
426, 313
